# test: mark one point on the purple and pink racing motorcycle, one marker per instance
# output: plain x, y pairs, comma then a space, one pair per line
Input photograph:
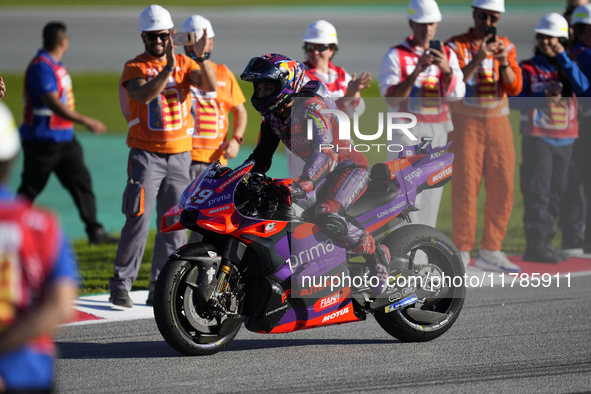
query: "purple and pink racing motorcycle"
263, 264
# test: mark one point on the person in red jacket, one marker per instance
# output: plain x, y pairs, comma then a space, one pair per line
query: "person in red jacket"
482, 136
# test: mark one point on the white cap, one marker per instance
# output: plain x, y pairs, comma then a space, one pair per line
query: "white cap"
155, 18
423, 11
321, 32
196, 24
581, 14
490, 5
553, 25
9, 138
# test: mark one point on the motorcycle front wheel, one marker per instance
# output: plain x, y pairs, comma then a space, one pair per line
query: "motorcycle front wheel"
433, 254
188, 326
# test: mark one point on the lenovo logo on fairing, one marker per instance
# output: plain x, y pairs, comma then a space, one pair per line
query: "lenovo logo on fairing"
345, 125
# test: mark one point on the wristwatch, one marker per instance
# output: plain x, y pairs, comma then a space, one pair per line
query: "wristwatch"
240, 140
201, 59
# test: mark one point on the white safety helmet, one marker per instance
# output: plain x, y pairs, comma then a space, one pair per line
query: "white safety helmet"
581, 14
9, 138
196, 24
321, 32
155, 18
423, 11
553, 25
490, 5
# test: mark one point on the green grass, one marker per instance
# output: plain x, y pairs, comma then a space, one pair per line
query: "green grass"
96, 96
96, 265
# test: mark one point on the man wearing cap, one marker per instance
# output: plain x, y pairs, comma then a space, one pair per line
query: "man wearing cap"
210, 110
158, 112
49, 142
38, 281
482, 136
420, 80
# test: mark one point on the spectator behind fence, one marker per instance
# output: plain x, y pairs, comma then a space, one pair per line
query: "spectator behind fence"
157, 107
581, 54
49, 143
38, 281
419, 80
549, 127
210, 110
482, 137
2, 88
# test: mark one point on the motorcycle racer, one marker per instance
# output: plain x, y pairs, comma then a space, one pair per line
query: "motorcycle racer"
335, 173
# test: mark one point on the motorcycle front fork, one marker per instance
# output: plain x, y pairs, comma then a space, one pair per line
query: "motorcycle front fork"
231, 256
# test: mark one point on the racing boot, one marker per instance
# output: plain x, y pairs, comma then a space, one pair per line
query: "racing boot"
539, 249
378, 262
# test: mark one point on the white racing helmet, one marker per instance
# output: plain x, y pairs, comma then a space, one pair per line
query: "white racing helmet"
196, 24
155, 18
581, 14
9, 138
490, 5
423, 11
553, 25
321, 32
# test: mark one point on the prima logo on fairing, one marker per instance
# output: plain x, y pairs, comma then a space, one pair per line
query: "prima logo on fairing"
413, 175
219, 199
307, 256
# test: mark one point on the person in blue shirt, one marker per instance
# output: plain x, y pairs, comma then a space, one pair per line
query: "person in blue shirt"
38, 281
47, 132
549, 127
581, 54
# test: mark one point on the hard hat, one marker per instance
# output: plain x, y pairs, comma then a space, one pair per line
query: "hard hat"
581, 14
553, 25
9, 138
423, 11
321, 32
196, 24
490, 5
155, 18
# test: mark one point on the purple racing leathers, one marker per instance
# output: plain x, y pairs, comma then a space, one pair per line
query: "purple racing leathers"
333, 171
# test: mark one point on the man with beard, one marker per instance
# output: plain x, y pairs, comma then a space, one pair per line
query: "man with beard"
158, 111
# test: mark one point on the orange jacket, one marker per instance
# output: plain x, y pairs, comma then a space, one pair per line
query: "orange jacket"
211, 115
165, 125
486, 91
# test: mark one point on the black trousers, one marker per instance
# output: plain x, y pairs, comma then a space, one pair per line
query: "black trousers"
67, 161
543, 182
582, 153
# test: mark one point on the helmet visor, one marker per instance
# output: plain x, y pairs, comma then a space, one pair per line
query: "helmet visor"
258, 68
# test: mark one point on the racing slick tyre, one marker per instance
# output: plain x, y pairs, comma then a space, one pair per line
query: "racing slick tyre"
187, 326
436, 311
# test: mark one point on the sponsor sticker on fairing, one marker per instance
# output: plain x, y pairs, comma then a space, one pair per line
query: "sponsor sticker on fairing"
401, 304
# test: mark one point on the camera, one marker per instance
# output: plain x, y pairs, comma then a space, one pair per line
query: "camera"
180, 39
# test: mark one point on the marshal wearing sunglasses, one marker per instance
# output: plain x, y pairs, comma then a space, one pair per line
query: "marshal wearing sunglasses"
156, 101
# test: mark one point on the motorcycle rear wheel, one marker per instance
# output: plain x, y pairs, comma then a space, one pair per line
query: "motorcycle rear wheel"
188, 327
441, 252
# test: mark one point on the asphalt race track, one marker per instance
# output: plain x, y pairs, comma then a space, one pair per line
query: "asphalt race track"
518, 340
